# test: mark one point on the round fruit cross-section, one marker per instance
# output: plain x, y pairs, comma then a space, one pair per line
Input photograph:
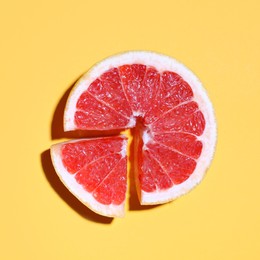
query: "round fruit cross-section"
176, 125
174, 139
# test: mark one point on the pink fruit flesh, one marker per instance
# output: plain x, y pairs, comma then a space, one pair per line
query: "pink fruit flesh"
99, 167
164, 102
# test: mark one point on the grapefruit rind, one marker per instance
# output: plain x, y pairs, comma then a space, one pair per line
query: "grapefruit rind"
78, 191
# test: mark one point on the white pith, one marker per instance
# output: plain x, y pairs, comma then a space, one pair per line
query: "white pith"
146, 137
78, 191
161, 63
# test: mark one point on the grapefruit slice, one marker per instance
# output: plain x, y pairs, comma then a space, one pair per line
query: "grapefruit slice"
94, 170
169, 108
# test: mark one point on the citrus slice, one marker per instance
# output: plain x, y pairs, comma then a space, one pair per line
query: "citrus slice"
169, 108
94, 170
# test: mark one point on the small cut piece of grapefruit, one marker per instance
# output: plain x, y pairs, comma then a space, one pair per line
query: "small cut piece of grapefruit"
169, 108
94, 170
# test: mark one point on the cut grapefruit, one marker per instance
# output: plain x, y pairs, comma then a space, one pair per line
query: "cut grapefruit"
170, 110
94, 170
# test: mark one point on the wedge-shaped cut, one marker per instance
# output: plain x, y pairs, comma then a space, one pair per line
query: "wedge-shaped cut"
94, 170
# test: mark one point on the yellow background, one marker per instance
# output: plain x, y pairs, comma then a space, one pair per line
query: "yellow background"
45, 46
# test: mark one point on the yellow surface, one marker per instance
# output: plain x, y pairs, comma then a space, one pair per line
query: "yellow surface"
45, 46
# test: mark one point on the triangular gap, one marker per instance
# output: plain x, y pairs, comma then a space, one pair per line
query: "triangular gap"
134, 135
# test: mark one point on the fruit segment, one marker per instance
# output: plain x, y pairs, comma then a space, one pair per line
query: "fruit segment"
75, 155
178, 166
113, 188
173, 90
150, 86
183, 118
132, 77
94, 170
94, 114
108, 88
184, 143
140, 84
152, 175
94, 173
